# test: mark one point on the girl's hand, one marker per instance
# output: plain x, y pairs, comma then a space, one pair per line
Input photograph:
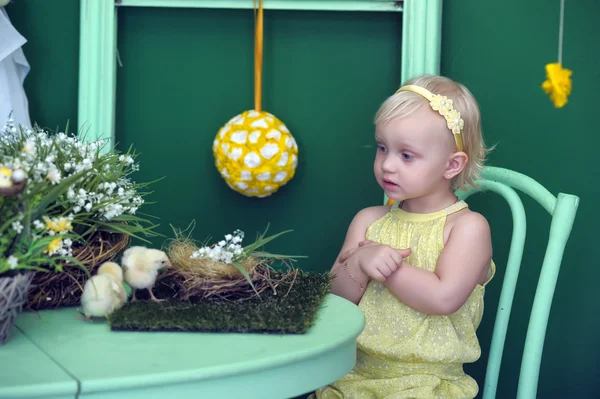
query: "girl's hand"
377, 261
345, 255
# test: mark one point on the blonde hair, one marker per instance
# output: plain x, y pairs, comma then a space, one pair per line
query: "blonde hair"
405, 103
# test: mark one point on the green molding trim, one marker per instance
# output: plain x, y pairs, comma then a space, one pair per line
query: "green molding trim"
421, 39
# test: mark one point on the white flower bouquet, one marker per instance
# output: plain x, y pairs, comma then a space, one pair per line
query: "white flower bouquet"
108, 200
99, 212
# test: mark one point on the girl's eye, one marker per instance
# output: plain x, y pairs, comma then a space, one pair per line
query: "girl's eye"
381, 148
406, 156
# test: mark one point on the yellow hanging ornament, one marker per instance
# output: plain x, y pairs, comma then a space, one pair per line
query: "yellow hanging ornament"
558, 79
254, 151
557, 84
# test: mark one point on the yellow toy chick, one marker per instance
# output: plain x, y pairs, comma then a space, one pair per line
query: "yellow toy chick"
104, 293
141, 267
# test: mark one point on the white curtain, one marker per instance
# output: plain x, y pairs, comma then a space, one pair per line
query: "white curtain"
13, 70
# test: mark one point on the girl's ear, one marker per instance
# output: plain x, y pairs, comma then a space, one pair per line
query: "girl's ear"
456, 163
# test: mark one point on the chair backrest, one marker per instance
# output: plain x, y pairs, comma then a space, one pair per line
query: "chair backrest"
562, 210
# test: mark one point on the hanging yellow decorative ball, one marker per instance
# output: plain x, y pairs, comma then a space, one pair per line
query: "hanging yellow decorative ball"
255, 153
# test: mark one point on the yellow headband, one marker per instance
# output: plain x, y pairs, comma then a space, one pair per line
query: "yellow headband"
443, 105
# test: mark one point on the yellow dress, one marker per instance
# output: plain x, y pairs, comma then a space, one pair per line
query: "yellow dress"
403, 353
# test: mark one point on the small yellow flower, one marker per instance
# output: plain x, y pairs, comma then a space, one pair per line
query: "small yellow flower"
63, 225
442, 104
58, 225
454, 121
54, 245
49, 224
558, 84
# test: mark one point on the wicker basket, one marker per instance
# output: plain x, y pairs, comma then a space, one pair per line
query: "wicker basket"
59, 289
13, 294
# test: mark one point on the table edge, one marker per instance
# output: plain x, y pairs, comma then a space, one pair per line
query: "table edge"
223, 371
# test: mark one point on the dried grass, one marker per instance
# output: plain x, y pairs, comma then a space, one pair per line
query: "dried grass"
200, 278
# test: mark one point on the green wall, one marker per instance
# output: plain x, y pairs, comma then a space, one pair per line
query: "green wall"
499, 50
177, 89
52, 49
185, 73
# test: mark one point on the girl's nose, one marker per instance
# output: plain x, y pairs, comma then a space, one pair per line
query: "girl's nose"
388, 164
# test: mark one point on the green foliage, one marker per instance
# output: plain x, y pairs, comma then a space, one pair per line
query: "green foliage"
24, 246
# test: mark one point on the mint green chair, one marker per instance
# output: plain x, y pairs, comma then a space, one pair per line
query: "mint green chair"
562, 209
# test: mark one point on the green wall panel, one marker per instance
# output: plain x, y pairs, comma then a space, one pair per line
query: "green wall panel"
52, 50
499, 50
186, 72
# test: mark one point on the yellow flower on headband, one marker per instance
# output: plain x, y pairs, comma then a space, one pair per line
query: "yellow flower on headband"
441, 104
558, 84
454, 121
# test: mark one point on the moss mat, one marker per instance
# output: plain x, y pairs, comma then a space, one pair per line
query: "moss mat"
293, 313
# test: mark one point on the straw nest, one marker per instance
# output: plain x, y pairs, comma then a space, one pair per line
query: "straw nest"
200, 278
59, 289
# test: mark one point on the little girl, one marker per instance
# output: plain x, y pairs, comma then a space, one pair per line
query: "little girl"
418, 268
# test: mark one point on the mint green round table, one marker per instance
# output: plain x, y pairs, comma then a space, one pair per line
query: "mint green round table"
27, 372
109, 364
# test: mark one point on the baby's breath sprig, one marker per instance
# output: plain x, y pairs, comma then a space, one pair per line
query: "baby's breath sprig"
230, 251
225, 251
